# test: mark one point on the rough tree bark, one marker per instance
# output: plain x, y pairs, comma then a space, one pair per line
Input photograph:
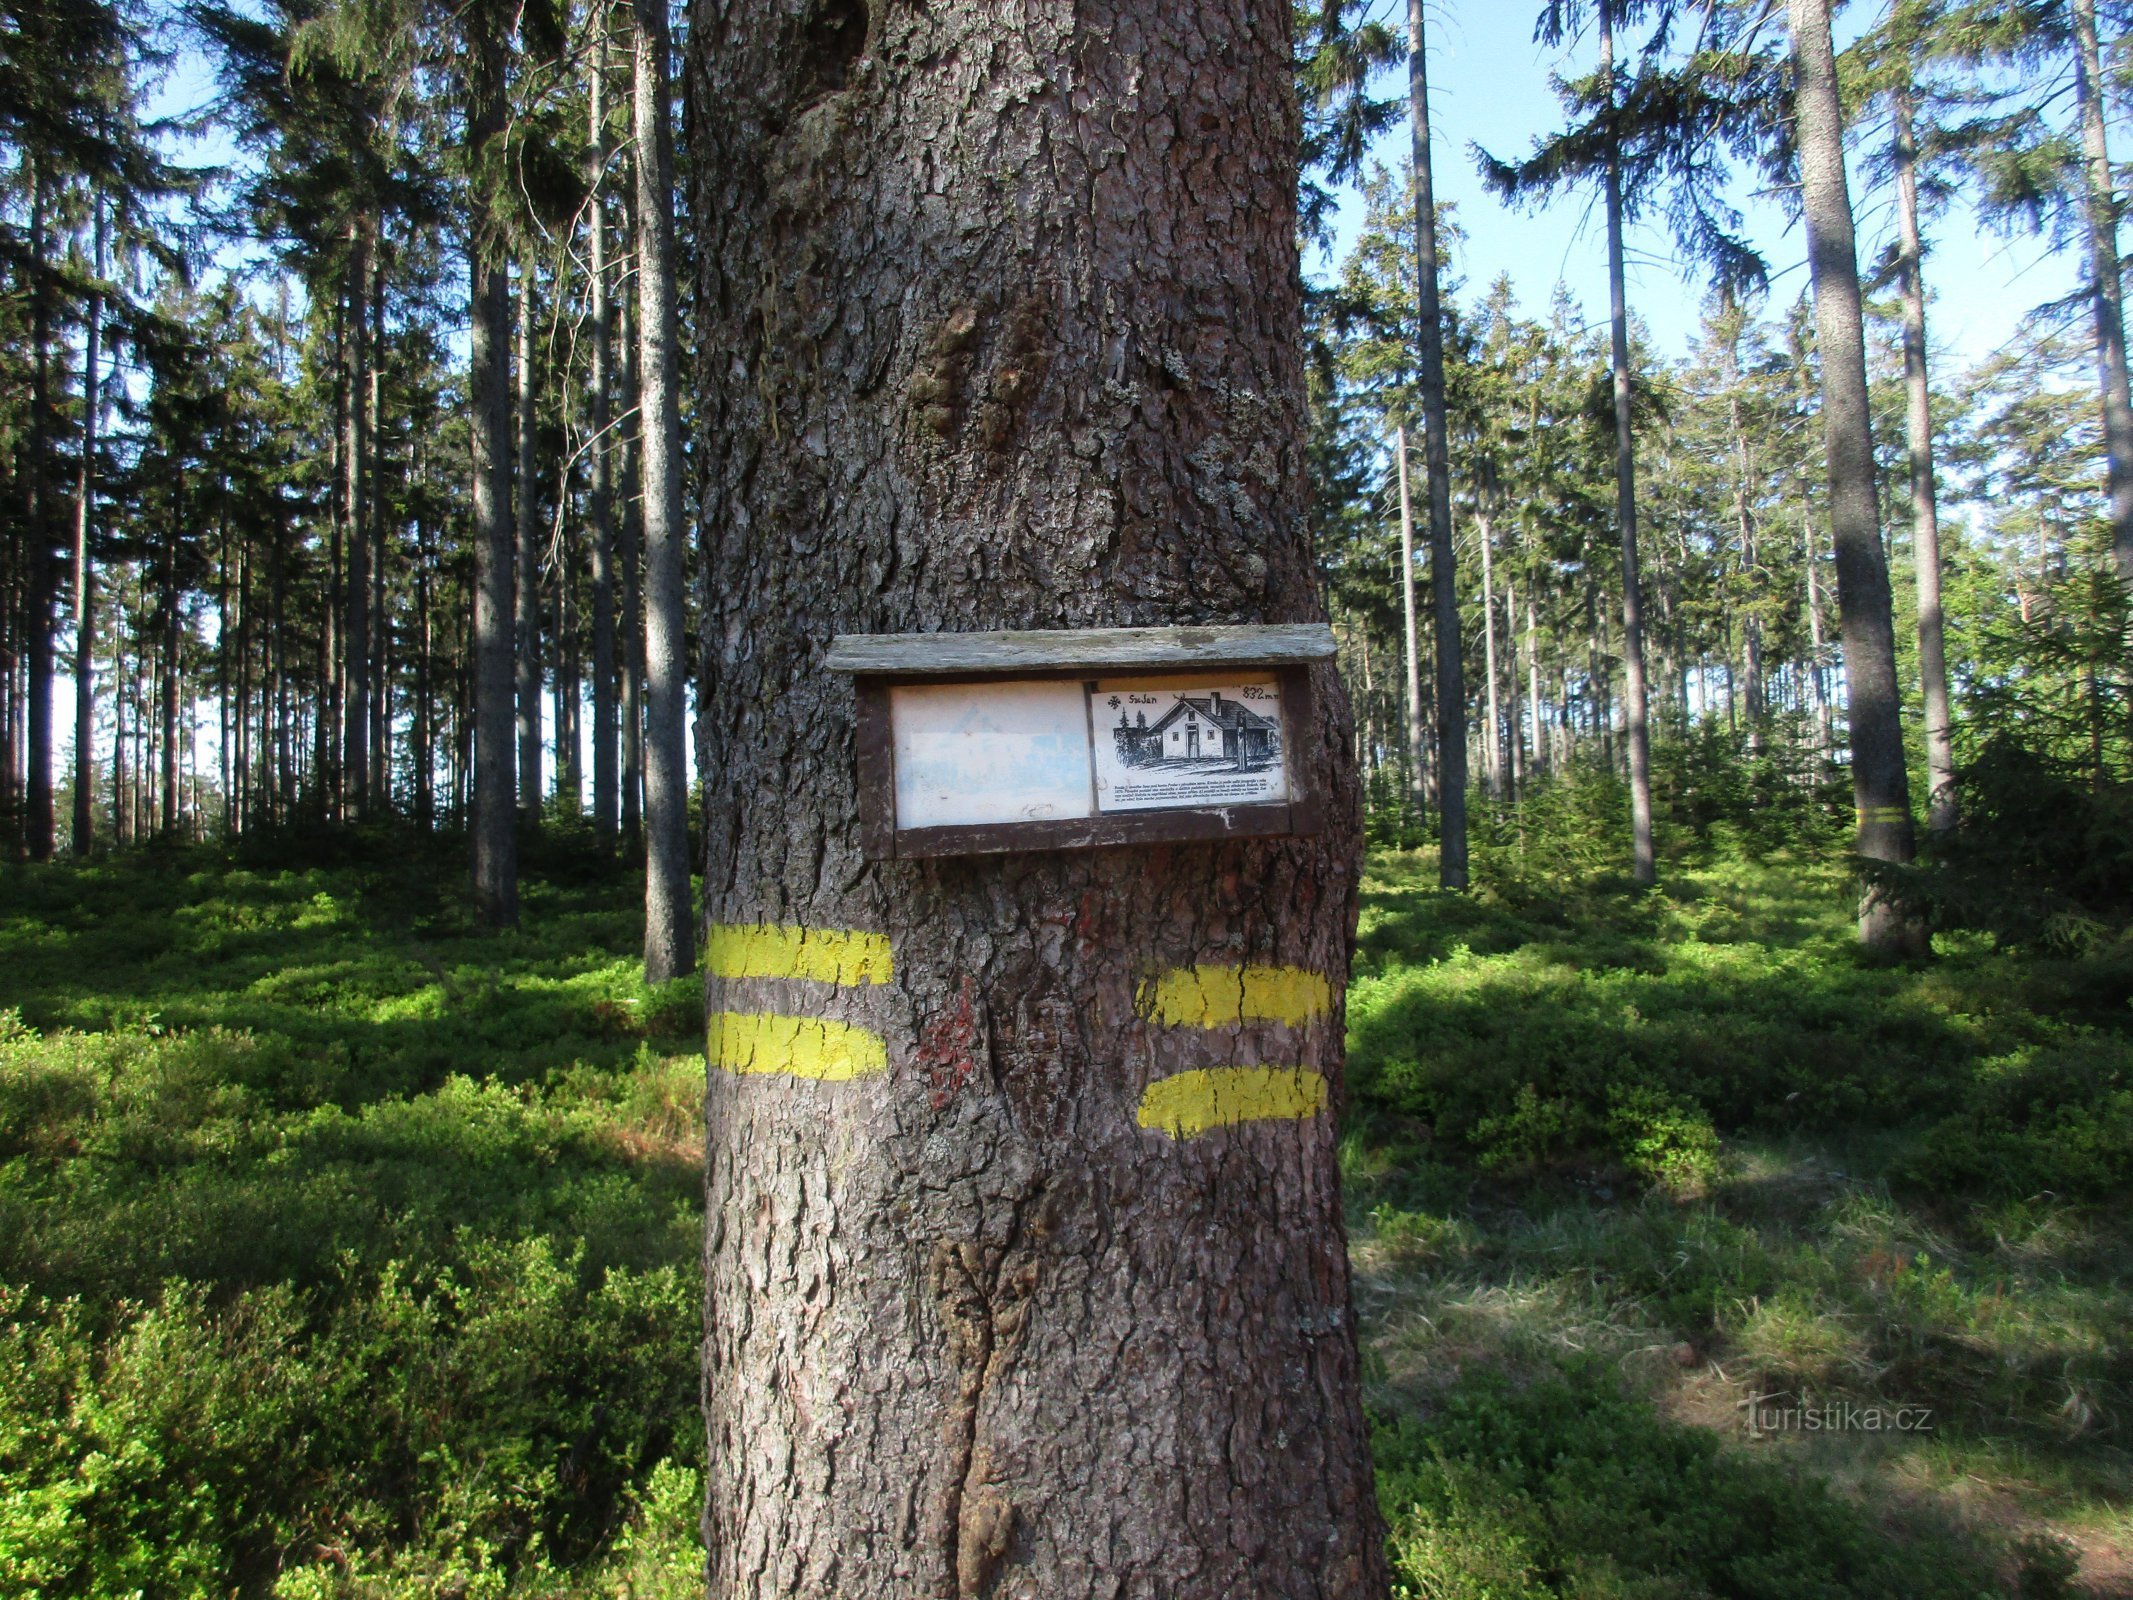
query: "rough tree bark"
495, 821
1636, 698
1437, 474
1881, 789
1001, 328
1941, 815
669, 921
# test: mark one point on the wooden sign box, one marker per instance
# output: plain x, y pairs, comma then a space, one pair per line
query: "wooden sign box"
978, 743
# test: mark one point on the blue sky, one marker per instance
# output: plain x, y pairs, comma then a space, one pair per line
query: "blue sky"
1489, 85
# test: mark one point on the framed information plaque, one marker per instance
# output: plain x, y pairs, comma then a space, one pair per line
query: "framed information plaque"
976, 743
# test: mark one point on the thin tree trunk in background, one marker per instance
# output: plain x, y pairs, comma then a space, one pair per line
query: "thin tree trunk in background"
669, 921
223, 647
605, 799
332, 635
171, 796
425, 730
92, 403
41, 833
566, 683
241, 802
1492, 745
121, 813
1366, 744
1443, 562
1636, 701
1417, 738
1941, 814
631, 537
1533, 687
2106, 285
527, 594
1068, 1345
1880, 786
1744, 525
1817, 640
11, 553
495, 824
284, 710
381, 693
1744, 528
1515, 718
355, 447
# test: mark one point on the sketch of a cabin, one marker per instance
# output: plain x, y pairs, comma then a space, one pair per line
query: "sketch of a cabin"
1199, 728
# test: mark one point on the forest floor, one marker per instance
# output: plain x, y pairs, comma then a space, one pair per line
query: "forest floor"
1696, 1256
345, 1248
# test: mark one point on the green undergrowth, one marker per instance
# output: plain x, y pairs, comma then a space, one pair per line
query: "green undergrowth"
1630, 1175
344, 1249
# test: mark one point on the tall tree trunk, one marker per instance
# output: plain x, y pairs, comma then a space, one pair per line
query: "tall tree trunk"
527, 595
988, 1322
1925, 511
669, 923
173, 635
241, 692
121, 813
225, 642
1750, 564
13, 551
333, 634
631, 542
1881, 788
1533, 686
92, 403
355, 446
1417, 738
425, 729
569, 792
1443, 562
2106, 285
1515, 720
495, 823
42, 830
1636, 701
1492, 743
605, 799
381, 694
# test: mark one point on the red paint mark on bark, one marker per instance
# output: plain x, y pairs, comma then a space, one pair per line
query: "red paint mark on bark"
946, 1046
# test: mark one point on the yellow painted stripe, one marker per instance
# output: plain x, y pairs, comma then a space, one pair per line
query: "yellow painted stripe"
1867, 814
1222, 997
801, 1047
826, 955
1194, 1102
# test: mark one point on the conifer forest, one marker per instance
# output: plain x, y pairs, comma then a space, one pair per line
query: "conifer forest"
501, 1095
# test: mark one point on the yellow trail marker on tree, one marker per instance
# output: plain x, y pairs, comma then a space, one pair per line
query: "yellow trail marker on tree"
1223, 997
799, 1047
1206, 1098
822, 955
